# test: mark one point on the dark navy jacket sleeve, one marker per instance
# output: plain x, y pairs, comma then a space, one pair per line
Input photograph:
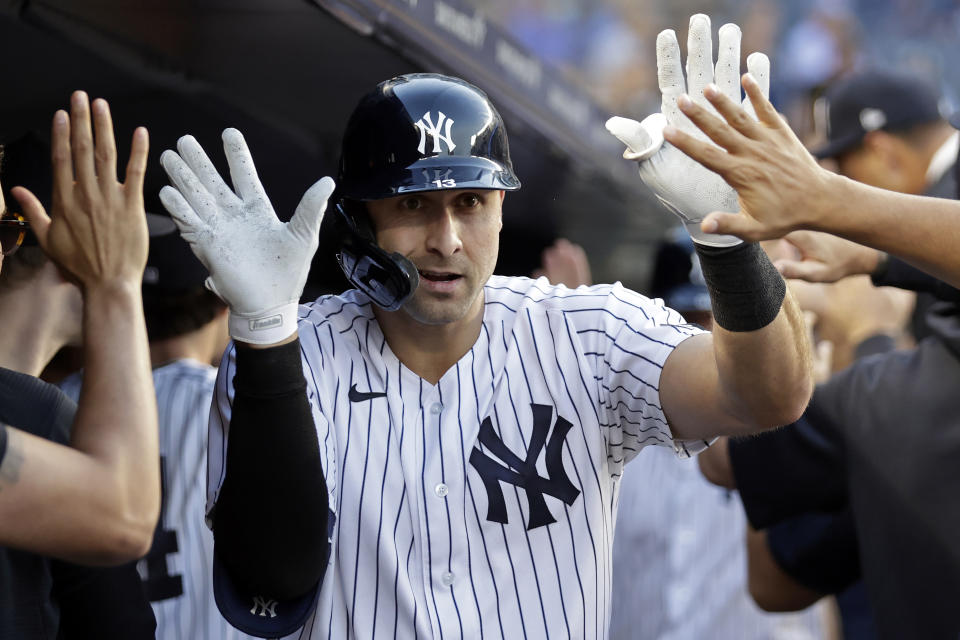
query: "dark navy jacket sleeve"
818, 550
794, 469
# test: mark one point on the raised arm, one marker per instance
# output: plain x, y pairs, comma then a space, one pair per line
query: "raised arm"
781, 188
739, 381
258, 265
98, 501
754, 371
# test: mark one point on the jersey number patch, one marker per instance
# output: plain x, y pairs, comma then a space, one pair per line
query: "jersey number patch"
523, 472
158, 584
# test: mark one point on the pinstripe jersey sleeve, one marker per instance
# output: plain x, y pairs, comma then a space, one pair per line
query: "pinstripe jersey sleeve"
628, 341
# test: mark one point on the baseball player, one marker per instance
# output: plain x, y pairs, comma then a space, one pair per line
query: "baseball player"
436, 453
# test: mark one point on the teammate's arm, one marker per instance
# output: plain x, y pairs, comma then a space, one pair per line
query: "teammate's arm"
794, 563
824, 257
98, 501
772, 588
781, 188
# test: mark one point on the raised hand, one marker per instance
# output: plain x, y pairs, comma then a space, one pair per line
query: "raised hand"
682, 185
98, 231
780, 185
258, 265
826, 258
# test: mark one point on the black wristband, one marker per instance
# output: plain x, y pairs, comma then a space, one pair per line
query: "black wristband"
267, 373
3, 442
746, 290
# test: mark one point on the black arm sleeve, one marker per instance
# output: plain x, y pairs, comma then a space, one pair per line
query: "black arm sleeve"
270, 520
792, 470
818, 550
897, 273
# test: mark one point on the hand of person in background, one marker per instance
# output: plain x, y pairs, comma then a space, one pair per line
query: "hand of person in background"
565, 263
851, 310
681, 184
258, 265
822, 257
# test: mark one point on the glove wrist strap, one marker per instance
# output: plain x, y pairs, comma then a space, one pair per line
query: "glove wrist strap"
264, 327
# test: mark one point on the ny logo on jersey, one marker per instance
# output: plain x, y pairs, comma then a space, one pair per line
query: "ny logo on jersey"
428, 128
264, 606
523, 472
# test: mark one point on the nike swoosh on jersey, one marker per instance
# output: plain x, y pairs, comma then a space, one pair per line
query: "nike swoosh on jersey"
360, 396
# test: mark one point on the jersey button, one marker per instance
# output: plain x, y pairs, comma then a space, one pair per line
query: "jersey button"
436, 408
441, 490
446, 578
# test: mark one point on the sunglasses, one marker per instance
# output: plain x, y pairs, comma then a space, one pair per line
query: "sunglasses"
13, 228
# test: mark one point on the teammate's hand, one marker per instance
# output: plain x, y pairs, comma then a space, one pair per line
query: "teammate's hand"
98, 231
684, 186
781, 187
826, 258
258, 265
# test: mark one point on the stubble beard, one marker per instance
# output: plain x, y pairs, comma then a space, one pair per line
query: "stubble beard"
430, 310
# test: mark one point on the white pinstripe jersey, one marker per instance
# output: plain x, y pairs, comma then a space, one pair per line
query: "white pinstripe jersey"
669, 517
481, 507
177, 571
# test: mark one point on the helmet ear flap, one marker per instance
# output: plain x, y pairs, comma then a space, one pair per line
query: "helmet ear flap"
389, 279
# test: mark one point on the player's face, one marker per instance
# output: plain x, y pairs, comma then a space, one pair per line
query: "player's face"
862, 165
885, 161
452, 237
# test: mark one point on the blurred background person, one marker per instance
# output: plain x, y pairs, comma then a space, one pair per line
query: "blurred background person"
889, 130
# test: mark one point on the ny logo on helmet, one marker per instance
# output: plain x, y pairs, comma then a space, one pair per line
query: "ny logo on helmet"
427, 127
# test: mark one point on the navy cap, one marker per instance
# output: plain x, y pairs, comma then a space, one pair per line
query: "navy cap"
259, 615
171, 264
871, 100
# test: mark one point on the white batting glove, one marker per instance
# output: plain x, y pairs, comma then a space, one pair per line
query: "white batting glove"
686, 187
258, 265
